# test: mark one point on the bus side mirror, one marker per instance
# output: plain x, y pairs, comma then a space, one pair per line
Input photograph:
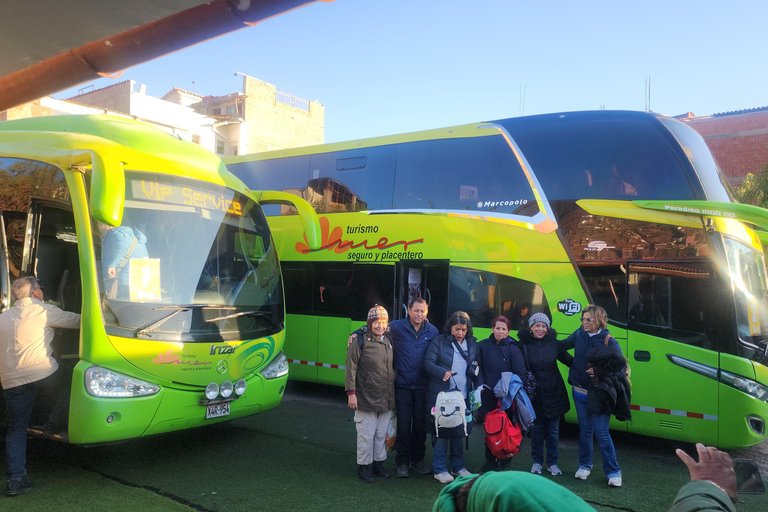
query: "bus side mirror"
107, 189
307, 214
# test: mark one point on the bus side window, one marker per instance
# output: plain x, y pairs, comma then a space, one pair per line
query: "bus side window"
486, 295
607, 285
665, 301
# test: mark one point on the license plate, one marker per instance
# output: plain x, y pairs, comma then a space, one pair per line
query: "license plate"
217, 410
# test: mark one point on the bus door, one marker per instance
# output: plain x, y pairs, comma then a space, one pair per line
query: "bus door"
427, 280
344, 294
51, 255
5, 275
670, 340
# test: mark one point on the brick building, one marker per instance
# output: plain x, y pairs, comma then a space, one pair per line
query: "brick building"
738, 140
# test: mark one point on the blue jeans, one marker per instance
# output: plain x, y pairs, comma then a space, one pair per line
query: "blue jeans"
595, 425
545, 430
19, 403
440, 455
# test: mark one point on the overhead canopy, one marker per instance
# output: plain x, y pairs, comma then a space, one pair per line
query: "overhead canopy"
52, 45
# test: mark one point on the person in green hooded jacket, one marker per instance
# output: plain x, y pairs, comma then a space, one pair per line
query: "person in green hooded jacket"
507, 491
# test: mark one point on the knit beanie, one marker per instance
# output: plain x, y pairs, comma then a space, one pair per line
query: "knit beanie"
539, 317
376, 312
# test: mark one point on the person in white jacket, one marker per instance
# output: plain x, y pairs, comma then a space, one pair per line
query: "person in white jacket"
27, 366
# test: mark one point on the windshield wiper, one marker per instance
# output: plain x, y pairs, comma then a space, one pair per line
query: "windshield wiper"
177, 309
259, 314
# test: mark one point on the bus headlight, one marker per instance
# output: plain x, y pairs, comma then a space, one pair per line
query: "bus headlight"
240, 386
211, 391
226, 389
104, 383
745, 385
277, 368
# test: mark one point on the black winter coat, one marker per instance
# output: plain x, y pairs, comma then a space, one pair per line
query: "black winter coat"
497, 359
439, 359
612, 394
551, 399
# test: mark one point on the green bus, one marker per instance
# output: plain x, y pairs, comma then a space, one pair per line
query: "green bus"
547, 213
196, 336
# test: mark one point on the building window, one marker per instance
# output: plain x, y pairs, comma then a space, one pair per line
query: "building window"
220, 147
234, 148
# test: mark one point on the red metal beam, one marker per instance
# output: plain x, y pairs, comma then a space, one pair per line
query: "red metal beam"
111, 55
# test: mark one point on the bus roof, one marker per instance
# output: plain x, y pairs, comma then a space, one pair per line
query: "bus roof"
134, 142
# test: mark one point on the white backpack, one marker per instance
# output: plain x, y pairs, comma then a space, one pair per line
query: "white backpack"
450, 414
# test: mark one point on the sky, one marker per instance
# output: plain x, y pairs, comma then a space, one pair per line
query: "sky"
383, 67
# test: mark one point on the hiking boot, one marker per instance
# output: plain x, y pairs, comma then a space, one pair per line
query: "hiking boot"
614, 481
536, 468
443, 478
505, 465
378, 469
582, 473
17, 486
365, 473
488, 465
421, 467
402, 471
461, 472
554, 470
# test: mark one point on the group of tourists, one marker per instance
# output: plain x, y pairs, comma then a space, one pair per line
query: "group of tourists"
401, 367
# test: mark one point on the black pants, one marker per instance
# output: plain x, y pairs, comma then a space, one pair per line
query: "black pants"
411, 425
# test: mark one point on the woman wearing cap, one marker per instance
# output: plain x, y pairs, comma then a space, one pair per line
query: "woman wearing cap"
542, 351
370, 386
499, 353
451, 362
592, 334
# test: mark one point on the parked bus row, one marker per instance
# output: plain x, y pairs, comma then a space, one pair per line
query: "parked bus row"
545, 213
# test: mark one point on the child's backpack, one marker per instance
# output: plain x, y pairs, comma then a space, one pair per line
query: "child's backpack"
450, 414
502, 436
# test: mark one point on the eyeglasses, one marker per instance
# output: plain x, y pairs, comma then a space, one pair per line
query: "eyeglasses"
587, 320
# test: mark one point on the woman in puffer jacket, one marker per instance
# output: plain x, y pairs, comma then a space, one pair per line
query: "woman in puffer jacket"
542, 352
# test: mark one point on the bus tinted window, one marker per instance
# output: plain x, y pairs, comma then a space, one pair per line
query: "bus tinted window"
486, 295
350, 290
479, 173
351, 181
578, 157
665, 301
713, 181
283, 174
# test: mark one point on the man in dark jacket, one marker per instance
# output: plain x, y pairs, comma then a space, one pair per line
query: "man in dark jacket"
411, 336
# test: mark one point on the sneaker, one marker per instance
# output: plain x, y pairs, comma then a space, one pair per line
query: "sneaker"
461, 472
16, 487
421, 467
614, 481
536, 468
443, 478
402, 471
582, 473
365, 473
554, 470
379, 471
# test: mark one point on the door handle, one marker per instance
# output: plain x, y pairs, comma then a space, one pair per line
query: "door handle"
642, 356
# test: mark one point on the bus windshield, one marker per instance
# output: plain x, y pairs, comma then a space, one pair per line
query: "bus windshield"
192, 261
747, 272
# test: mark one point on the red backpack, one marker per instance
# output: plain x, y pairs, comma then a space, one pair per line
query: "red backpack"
502, 436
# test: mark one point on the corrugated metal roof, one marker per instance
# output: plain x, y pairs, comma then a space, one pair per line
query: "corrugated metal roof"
735, 112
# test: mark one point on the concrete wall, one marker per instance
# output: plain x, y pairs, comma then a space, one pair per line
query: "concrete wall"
273, 124
737, 141
115, 97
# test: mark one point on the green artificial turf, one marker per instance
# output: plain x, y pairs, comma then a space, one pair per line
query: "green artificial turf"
301, 457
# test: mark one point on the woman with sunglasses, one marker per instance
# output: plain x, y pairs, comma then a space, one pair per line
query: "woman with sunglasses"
592, 334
